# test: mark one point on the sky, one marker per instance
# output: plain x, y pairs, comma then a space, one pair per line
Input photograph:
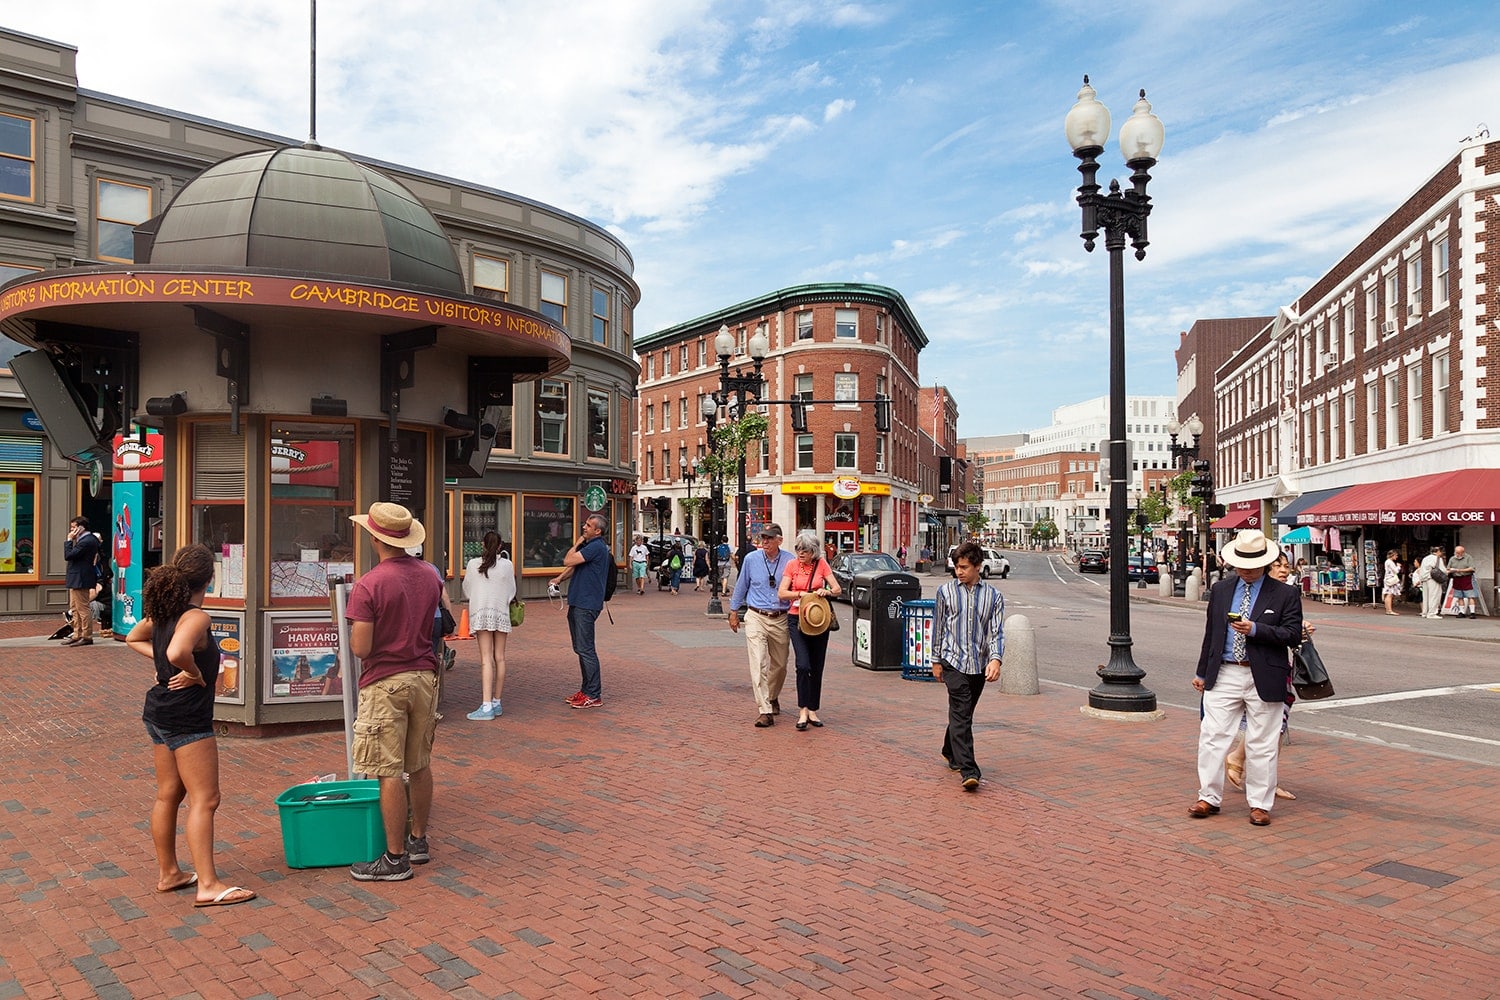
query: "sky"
741, 147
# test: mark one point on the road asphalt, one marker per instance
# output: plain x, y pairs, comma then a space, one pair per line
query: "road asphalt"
662, 846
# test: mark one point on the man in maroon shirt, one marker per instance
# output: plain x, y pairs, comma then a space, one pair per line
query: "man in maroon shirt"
390, 615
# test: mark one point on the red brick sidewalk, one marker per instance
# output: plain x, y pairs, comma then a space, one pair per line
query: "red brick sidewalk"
662, 846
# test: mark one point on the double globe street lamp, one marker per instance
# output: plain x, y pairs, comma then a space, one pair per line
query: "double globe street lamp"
733, 390
1121, 215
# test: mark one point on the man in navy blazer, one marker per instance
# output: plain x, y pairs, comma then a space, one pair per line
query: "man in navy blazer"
1253, 623
81, 550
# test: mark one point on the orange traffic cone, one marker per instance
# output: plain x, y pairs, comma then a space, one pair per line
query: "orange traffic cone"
463, 626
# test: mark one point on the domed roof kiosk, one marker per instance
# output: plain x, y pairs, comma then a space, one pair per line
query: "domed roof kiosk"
298, 326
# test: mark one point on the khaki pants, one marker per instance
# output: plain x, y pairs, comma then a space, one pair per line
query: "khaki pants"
83, 618
768, 641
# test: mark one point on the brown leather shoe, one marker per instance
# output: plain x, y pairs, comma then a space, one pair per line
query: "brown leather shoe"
775, 707
1202, 810
763, 721
1259, 817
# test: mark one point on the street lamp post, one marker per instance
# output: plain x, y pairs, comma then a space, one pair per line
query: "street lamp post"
1120, 214
1191, 431
710, 410
741, 385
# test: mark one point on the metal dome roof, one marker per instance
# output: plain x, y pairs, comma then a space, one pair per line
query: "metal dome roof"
310, 210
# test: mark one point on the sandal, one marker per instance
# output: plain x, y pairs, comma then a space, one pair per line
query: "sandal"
227, 897
1236, 773
1282, 793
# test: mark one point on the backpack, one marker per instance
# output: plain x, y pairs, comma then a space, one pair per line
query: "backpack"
675, 562
611, 580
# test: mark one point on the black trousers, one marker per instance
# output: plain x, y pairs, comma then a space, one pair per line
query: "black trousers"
810, 651
958, 742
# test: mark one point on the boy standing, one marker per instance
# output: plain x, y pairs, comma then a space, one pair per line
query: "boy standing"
968, 640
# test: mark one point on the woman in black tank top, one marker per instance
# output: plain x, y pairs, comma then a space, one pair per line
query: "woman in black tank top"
179, 719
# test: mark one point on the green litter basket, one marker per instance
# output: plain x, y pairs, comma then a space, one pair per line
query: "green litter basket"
329, 823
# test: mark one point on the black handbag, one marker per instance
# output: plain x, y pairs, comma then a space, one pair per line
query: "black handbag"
447, 625
1309, 676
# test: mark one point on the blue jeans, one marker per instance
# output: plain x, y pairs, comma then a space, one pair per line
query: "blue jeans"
581, 629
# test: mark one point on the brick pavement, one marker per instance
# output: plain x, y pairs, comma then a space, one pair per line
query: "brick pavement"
662, 846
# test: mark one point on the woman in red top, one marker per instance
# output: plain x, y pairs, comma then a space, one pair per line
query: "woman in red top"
809, 572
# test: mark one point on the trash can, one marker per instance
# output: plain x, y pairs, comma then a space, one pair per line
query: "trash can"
916, 617
879, 635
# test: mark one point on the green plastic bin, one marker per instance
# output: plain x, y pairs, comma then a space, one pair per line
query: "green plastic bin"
329, 823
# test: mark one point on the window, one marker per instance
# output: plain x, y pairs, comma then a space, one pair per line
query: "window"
1349, 332
698, 408
120, 208
548, 531
1440, 393
17, 158
598, 440
491, 278
804, 386
666, 362
702, 351
312, 496
1333, 428
846, 451
1414, 288
549, 431
846, 324
1414, 402
1372, 317
1372, 417
880, 454
684, 365
1350, 416
601, 315
666, 414
18, 514
765, 454
651, 366
845, 387
1392, 412
804, 451
879, 328
804, 326
1440, 273
1319, 435
555, 297
504, 433
650, 419
1392, 297
682, 413
650, 466
218, 501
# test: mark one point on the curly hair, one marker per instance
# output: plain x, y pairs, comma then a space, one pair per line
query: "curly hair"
169, 588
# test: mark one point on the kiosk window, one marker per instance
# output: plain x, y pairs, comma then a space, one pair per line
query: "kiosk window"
548, 531
17, 527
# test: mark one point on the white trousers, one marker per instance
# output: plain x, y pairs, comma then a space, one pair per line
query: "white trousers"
1232, 695
767, 641
1432, 598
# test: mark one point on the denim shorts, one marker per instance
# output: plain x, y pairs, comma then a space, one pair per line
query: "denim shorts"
174, 741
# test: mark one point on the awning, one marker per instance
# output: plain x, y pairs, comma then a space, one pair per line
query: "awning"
1465, 496
1288, 514
1237, 519
1297, 536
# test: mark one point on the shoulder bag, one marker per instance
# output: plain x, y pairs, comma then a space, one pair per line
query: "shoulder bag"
815, 612
1309, 676
517, 612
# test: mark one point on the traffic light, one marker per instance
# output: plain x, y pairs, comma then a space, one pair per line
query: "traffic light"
1140, 522
1201, 485
799, 415
882, 413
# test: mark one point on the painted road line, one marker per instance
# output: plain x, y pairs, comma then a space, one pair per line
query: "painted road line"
1376, 699
1433, 732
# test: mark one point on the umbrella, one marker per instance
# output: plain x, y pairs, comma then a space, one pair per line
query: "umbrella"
1297, 536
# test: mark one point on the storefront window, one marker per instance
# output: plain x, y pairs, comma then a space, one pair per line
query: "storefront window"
312, 496
548, 531
598, 445
760, 512
218, 503
550, 426
486, 512
17, 527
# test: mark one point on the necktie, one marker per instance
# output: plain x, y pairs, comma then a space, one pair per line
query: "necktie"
1240, 643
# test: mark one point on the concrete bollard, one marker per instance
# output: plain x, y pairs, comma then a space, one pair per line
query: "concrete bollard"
1018, 671
1165, 585
1193, 589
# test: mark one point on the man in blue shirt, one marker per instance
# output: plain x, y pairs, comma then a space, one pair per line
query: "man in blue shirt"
589, 563
1253, 623
968, 640
758, 603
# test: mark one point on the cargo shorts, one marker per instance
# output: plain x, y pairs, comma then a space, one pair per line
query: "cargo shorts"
396, 724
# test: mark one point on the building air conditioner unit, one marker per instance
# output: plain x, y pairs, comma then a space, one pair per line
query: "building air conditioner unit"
1330, 359
1289, 383
1271, 470
1252, 404
1388, 327
879, 466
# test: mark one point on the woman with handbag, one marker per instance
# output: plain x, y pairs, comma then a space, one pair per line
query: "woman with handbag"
1391, 585
806, 582
490, 585
1234, 764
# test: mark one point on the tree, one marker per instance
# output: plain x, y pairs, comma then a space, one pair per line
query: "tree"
976, 520
1044, 531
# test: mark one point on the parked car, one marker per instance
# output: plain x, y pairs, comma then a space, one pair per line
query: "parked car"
1093, 561
1142, 567
847, 565
994, 564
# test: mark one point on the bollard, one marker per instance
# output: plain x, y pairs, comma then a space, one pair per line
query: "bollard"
1018, 670
1165, 585
1193, 589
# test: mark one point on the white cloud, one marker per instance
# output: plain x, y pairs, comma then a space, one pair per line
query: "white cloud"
836, 108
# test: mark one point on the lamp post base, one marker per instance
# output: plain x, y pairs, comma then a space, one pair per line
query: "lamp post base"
1121, 689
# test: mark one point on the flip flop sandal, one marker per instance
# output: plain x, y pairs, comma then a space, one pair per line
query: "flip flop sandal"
192, 881
222, 898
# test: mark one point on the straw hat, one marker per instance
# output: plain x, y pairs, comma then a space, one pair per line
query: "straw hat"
1251, 549
815, 614
392, 524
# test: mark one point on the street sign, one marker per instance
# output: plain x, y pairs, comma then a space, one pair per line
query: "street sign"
594, 498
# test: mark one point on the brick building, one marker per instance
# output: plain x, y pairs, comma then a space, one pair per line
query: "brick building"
838, 346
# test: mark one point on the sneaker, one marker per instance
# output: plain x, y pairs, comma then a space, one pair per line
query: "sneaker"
383, 869
495, 707
481, 714
574, 699
588, 702
416, 850
971, 784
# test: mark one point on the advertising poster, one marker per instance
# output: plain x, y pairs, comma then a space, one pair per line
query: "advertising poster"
129, 503
138, 459
7, 527
226, 628
303, 658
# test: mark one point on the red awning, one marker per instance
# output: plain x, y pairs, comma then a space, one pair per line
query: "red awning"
1237, 519
1465, 496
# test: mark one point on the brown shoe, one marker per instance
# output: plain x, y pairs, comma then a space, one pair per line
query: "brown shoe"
775, 707
1202, 810
1259, 817
764, 720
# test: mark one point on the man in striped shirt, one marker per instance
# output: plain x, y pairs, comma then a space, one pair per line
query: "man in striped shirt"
968, 639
